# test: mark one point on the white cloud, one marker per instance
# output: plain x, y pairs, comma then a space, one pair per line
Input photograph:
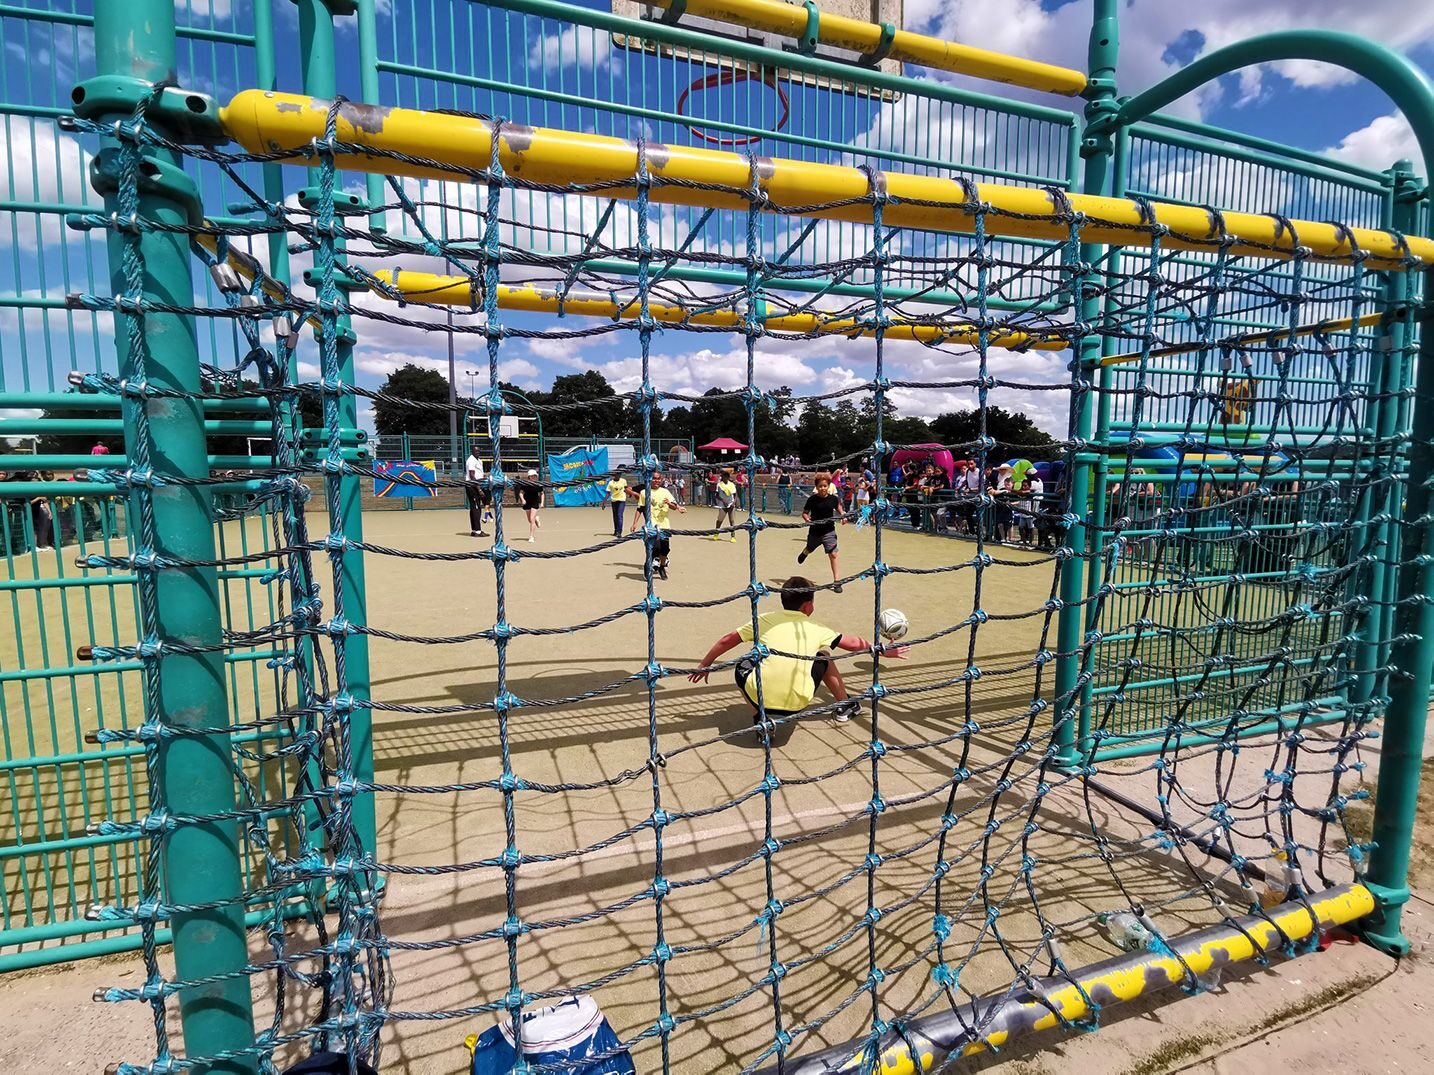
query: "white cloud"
1149, 31
43, 165
559, 352
1379, 144
700, 370
586, 47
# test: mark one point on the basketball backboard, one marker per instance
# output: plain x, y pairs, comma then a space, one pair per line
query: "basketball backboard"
875, 11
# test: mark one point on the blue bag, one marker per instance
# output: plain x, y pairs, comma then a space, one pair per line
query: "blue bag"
566, 1033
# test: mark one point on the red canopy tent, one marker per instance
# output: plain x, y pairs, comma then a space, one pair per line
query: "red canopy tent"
722, 445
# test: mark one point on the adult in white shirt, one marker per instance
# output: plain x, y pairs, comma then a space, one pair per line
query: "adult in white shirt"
478, 499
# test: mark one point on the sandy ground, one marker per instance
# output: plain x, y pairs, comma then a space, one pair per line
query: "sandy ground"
712, 774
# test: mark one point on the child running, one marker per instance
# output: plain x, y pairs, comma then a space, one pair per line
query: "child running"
531, 495
662, 504
821, 513
725, 495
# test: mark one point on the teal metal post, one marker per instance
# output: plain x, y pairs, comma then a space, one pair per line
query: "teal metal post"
1385, 377
369, 92
201, 863
318, 57
1412, 652
1410, 194
1072, 715
267, 78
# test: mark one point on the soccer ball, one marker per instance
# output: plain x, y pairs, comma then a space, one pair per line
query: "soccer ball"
892, 624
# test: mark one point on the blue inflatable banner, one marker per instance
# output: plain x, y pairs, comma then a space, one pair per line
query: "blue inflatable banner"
405, 478
578, 476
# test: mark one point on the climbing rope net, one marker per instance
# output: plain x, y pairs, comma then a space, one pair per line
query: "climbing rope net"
1223, 539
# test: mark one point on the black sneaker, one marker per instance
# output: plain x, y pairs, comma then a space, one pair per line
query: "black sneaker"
802, 557
662, 573
836, 587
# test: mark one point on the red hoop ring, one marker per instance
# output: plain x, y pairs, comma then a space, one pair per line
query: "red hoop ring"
729, 77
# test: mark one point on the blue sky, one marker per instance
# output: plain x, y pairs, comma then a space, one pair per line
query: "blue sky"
1308, 105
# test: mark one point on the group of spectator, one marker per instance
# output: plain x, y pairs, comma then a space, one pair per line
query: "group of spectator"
1020, 511
45, 520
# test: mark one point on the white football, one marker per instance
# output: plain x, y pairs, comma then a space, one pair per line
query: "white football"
892, 624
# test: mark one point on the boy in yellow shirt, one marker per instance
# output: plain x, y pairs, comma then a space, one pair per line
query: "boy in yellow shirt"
617, 496
662, 504
800, 657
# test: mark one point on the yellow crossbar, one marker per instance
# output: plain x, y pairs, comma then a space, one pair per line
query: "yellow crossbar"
535, 298
461, 146
790, 20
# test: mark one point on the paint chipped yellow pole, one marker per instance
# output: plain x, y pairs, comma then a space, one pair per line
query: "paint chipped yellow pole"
536, 298
460, 147
838, 31
927, 1042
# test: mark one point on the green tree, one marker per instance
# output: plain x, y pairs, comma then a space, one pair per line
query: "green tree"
599, 419
421, 385
816, 432
1014, 433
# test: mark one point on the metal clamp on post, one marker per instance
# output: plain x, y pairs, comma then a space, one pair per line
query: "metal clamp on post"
883, 47
807, 43
183, 115
155, 177
346, 203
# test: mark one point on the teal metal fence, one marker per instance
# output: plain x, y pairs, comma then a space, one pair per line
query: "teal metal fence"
1165, 622
56, 782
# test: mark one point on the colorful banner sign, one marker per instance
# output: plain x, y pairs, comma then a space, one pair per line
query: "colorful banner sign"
405, 478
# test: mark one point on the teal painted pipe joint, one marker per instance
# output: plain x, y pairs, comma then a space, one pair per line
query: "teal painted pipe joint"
158, 177
346, 203
184, 115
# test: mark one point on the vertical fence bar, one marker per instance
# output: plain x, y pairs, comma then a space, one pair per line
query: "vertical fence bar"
1411, 655
1097, 150
319, 59
369, 91
1384, 379
201, 864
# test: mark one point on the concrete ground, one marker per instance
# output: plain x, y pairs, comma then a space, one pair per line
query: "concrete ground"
1348, 1009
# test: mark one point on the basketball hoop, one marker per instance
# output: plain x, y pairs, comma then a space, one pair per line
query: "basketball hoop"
730, 77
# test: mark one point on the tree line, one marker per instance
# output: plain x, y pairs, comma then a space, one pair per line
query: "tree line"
813, 430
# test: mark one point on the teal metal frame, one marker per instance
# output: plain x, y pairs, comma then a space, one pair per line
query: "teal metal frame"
1411, 655
136, 42
201, 864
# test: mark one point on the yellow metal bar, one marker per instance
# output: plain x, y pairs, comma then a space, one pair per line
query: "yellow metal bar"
838, 31
1289, 922
460, 147
534, 298
929, 1042
250, 269
1342, 324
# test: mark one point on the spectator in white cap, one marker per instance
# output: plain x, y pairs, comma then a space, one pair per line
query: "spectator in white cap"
530, 496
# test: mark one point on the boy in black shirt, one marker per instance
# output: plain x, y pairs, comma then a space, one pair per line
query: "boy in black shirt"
822, 512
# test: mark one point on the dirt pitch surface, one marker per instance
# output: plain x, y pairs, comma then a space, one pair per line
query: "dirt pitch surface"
713, 767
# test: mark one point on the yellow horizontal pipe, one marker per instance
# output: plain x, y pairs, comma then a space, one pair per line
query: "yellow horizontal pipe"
533, 298
1342, 324
461, 146
249, 268
838, 31
1233, 946
932, 1040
